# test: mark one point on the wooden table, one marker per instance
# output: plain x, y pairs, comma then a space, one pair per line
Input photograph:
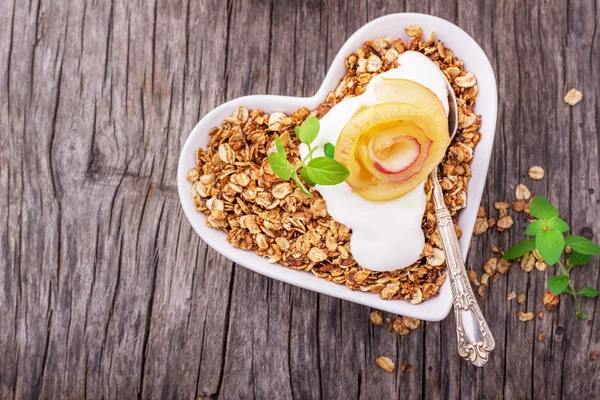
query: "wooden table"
106, 291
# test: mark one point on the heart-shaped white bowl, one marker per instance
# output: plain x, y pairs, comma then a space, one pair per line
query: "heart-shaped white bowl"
393, 25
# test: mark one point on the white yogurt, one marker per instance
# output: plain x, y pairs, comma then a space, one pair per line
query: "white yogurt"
386, 236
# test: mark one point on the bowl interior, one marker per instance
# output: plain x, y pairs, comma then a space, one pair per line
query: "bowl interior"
474, 59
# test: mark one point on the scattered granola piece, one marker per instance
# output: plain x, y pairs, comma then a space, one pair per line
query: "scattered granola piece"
472, 275
550, 300
484, 279
376, 317
527, 262
497, 250
390, 325
411, 323
481, 225
540, 314
541, 337
573, 97
502, 207
480, 290
521, 299
541, 266
511, 296
524, 317
406, 366
481, 212
593, 355
537, 255
503, 266
526, 211
536, 172
386, 364
505, 223
522, 193
518, 205
491, 222
490, 266
400, 328
568, 249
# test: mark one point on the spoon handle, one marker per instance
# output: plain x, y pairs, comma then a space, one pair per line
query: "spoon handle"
475, 340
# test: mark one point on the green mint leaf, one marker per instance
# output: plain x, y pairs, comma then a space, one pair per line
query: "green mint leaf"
576, 258
581, 315
558, 284
304, 175
582, 245
297, 131
550, 243
329, 150
524, 247
280, 166
589, 292
308, 130
326, 171
557, 223
542, 209
535, 227
279, 146
300, 185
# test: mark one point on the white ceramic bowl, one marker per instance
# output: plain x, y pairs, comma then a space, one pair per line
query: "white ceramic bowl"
393, 25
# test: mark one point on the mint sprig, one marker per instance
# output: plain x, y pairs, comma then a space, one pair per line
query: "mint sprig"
548, 230
317, 170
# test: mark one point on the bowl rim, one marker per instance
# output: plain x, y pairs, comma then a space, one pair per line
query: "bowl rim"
434, 309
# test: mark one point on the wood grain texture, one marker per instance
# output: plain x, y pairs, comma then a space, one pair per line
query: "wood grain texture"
106, 291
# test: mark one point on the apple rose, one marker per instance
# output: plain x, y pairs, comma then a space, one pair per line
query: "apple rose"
391, 147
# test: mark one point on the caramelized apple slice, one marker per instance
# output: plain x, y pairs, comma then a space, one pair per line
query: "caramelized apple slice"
391, 147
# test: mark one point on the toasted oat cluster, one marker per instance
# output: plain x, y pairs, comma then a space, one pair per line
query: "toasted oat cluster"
239, 193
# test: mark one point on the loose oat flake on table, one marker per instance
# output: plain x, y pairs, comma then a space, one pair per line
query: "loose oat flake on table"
236, 188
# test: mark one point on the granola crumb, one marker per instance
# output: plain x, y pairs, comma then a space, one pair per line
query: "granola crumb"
521, 299
406, 366
573, 97
540, 314
481, 226
492, 222
503, 266
522, 192
524, 317
505, 223
593, 355
527, 262
550, 300
480, 290
541, 266
386, 364
518, 205
502, 207
541, 337
511, 296
481, 212
536, 172
376, 317
472, 275
400, 328
497, 250
411, 323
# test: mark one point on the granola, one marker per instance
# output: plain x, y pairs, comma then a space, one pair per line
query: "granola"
239, 193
